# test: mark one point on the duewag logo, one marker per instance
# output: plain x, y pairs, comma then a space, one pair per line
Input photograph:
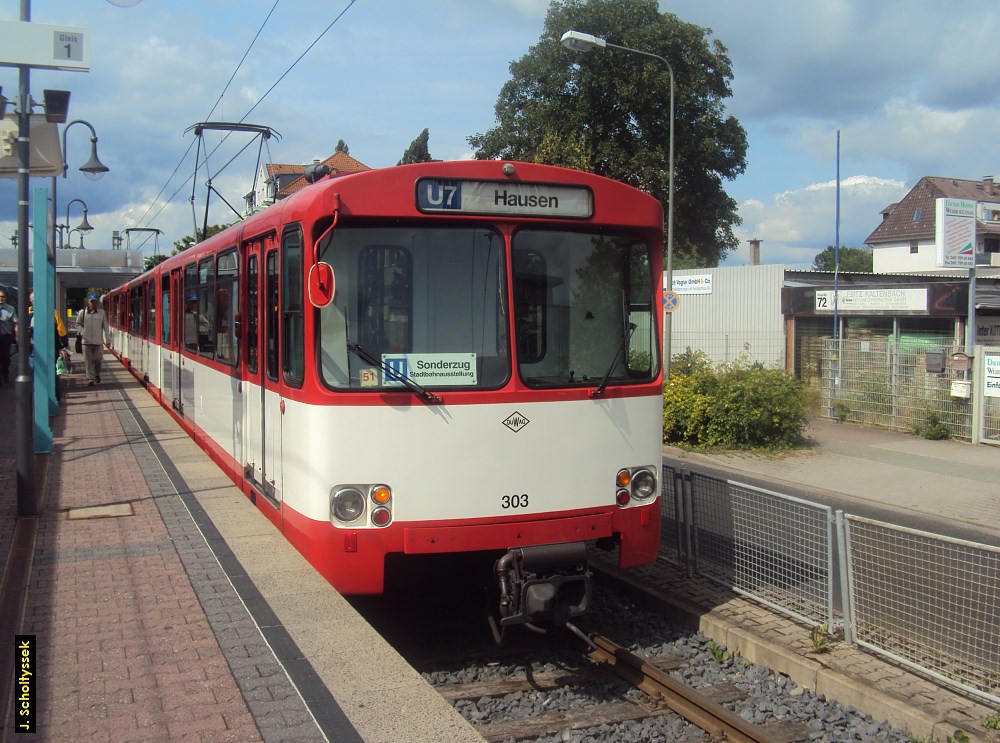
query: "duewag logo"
515, 421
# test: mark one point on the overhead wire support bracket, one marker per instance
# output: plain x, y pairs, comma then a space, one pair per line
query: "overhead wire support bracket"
259, 130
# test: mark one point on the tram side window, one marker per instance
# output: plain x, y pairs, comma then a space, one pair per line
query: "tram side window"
226, 308
135, 316
385, 299
151, 298
293, 317
206, 307
271, 316
252, 341
191, 308
639, 286
165, 307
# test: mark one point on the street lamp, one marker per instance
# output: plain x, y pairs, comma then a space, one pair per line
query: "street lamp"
84, 228
93, 169
581, 42
69, 238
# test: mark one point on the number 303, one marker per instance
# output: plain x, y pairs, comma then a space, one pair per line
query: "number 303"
514, 501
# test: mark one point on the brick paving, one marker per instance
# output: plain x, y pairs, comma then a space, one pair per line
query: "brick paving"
125, 648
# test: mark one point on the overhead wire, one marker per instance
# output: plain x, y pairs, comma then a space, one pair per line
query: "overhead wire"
215, 106
244, 117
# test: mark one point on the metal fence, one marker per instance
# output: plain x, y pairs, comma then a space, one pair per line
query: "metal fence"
929, 601
763, 347
893, 384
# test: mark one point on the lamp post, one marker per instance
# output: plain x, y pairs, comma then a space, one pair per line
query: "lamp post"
84, 228
69, 238
93, 169
27, 505
581, 42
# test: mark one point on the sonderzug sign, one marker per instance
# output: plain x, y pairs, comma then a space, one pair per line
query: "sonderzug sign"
509, 198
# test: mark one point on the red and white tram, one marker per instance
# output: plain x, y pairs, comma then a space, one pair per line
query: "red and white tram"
433, 358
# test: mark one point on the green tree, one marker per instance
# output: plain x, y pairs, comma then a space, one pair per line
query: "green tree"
608, 112
152, 261
189, 240
851, 259
417, 152
342, 147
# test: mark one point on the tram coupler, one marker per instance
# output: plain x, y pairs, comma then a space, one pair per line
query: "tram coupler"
545, 584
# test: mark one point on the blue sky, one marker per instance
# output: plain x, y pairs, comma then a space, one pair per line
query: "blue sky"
910, 84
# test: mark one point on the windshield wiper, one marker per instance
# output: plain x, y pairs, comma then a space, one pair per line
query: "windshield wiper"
423, 394
599, 389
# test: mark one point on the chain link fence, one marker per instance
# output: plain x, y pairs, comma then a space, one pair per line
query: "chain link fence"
896, 384
754, 347
928, 601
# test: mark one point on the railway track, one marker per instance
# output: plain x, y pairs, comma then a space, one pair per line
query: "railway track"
661, 695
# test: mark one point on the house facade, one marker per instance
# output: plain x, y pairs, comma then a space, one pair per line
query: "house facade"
276, 181
914, 236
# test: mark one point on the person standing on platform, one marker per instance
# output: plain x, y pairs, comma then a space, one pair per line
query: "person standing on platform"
92, 325
8, 335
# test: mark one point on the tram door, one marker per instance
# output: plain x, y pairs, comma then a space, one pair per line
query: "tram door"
169, 369
261, 418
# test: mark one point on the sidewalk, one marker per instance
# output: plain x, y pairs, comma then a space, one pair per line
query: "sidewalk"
938, 481
120, 652
166, 608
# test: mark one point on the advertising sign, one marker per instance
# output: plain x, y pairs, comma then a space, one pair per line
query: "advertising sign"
693, 284
872, 300
992, 375
955, 233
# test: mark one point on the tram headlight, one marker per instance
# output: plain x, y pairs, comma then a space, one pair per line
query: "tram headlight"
347, 504
643, 484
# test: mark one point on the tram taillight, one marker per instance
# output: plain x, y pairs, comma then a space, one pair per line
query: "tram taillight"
634, 482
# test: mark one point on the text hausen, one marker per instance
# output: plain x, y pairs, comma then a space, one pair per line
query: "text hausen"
435, 195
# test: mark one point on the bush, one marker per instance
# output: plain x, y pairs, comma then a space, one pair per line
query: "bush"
932, 428
734, 406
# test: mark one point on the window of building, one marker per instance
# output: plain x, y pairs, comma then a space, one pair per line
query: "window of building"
914, 248
917, 214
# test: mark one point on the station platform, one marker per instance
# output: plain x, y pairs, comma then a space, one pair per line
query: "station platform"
165, 608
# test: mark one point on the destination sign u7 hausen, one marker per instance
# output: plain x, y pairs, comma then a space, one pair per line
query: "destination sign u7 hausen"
439, 196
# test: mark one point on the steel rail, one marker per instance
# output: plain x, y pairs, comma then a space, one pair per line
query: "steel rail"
680, 698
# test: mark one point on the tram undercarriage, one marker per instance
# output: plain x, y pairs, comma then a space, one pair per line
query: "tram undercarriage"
544, 584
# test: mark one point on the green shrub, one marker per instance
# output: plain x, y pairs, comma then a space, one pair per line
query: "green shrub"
689, 362
932, 427
734, 406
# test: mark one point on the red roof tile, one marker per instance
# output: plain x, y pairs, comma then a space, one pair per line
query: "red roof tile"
913, 217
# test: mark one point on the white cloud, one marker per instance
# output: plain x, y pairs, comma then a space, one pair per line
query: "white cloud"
798, 224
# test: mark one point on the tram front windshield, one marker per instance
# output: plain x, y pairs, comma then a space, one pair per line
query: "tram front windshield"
429, 305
